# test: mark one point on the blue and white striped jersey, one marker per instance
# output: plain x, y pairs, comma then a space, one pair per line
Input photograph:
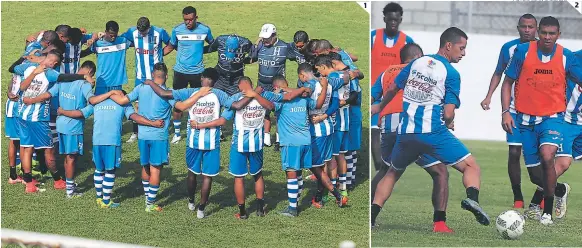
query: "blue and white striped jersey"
342, 116
324, 128
40, 84
149, 50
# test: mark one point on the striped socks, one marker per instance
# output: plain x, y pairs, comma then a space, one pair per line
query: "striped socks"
70, 186
342, 181
98, 181
146, 187
292, 192
108, 182
299, 183
354, 162
177, 124
152, 194
350, 166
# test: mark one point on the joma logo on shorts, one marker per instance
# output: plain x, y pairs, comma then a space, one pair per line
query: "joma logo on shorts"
542, 71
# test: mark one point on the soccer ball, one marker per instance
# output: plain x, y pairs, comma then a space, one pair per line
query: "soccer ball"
510, 224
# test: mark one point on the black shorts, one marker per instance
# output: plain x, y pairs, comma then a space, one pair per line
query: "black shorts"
266, 87
182, 80
228, 85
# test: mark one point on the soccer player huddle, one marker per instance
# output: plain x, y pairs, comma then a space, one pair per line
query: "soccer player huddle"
415, 96
319, 122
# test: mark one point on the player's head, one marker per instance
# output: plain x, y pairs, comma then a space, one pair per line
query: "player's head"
63, 32
337, 61
300, 39
526, 26
88, 68
279, 82
453, 43
52, 59
268, 34
245, 83
305, 72
324, 65
143, 26
48, 38
392, 17
189, 16
323, 47
75, 35
209, 77
59, 46
231, 45
410, 52
160, 73
549, 32
111, 31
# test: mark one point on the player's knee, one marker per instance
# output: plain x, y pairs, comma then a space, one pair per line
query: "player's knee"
514, 152
548, 152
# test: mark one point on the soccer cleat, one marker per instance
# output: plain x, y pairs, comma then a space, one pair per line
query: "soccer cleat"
222, 137
74, 195
344, 193
60, 184
132, 138
261, 212
153, 208
342, 202
441, 227
191, 206
241, 217
15, 181
546, 220
99, 201
518, 204
200, 214
31, 188
110, 205
561, 203
289, 212
534, 212
476, 209
312, 177
277, 147
315, 203
176, 139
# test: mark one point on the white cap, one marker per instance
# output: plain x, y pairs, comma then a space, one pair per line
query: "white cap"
267, 30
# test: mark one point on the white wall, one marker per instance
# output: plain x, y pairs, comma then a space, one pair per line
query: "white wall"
476, 68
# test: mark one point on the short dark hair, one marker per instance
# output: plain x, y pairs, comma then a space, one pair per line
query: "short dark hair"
56, 53
143, 23
90, 65
279, 77
245, 78
409, 50
112, 26
161, 66
60, 46
392, 7
189, 10
323, 60
75, 35
63, 29
453, 35
304, 67
300, 36
528, 16
211, 74
50, 36
323, 45
549, 21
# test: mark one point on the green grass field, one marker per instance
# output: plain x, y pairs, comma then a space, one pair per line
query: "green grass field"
50, 212
406, 219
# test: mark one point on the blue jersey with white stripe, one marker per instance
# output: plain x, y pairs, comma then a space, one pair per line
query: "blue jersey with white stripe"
152, 107
293, 121
190, 45
429, 83
342, 116
12, 106
248, 125
31, 47
40, 84
111, 69
325, 127
107, 122
505, 55
573, 100
73, 96
206, 109
72, 57
149, 49
571, 67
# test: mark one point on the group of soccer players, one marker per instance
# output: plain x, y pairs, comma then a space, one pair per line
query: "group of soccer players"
415, 96
318, 127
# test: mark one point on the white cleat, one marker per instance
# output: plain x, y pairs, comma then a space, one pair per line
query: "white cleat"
200, 214
561, 203
546, 220
132, 138
533, 213
191, 206
176, 139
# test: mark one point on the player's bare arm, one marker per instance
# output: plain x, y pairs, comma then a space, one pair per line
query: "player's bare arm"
507, 121
262, 101
188, 103
143, 121
32, 37
99, 98
215, 123
75, 114
119, 99
295, 93
495, 80
322, 95
449, 116
38, 70
166, 94
168, 49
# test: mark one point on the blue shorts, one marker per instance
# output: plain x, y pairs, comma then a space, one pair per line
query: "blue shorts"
106, 157
295, 158
515, 138
153, 152
442, 145
205, 162
238, 162
70, 144
374, 121
387, 145
548, 132
321, 150
35, 134
427, 161
355, 131
340, 142
572, 143
103, 90
11, 128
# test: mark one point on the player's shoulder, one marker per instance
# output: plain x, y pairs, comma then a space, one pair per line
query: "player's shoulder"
219, 92
281, 43
158, 29
509, 44
523, 47
131, 29
202, 25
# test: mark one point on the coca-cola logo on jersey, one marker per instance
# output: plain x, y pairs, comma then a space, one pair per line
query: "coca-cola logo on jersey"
203, 111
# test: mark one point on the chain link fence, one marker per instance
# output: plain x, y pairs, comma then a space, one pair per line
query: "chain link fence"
481, 17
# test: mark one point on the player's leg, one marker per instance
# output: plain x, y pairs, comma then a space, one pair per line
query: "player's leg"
530, 144
158, 153
144, 155
551, 138
387, 144
375, 143
513, 164
440, 191
238, 168
99, 172
71, 146
256, 170
194, 163
353, 145
180, 82
11, 130
42, 139
134, 125
154, 179
210, 169
111, 156
290, 156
